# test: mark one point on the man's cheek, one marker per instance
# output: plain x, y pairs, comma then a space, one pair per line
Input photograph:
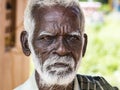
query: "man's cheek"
39, 50
76, 57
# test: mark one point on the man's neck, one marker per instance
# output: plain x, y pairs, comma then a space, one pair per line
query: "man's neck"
54, 87
57, 87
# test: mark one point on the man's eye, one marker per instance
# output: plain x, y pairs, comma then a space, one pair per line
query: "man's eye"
46, 38
72, 38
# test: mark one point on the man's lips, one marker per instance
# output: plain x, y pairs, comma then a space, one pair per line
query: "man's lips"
58, 65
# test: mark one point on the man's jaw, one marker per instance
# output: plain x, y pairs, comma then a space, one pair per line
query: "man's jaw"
55, 70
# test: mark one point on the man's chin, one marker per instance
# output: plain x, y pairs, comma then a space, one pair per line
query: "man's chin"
57, 78
56, 70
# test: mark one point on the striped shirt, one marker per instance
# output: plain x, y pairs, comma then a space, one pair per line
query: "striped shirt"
93, 83
81, 82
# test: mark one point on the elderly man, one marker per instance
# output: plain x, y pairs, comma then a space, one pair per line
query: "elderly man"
54, 36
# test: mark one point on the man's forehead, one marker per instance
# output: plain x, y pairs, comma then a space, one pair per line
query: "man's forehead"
56, 19
55, 11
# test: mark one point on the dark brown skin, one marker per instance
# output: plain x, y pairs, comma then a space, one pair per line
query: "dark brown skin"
59, 21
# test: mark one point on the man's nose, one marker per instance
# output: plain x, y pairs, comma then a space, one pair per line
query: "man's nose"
62, 50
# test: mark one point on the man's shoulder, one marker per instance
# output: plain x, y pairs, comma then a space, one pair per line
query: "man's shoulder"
21, 87
26, 85
93, 82
30, 84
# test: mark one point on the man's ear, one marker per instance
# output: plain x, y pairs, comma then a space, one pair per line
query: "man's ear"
24, 43
85, 44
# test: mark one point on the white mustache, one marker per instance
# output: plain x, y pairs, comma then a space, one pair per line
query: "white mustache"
53, 59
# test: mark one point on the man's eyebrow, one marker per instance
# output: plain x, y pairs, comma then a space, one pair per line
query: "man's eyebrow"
45, 33
75, 33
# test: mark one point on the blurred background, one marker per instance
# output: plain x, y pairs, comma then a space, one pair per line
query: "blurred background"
103, 51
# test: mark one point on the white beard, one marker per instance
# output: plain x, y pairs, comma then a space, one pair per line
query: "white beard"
61, 75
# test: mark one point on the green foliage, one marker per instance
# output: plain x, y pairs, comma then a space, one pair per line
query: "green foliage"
102, 1
83, 0
105, 8
103, 52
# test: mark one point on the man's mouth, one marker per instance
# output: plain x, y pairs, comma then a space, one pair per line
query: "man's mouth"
58, 65
59, 68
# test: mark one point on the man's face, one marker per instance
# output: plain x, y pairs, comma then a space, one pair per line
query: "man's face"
57, 39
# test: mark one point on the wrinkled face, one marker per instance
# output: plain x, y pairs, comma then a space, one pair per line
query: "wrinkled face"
57, 40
